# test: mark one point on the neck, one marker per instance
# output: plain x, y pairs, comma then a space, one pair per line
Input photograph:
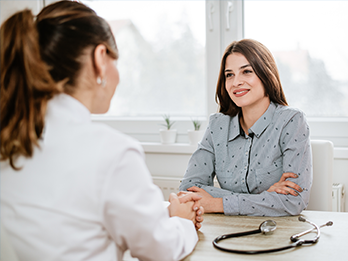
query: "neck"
251, 114
85, 97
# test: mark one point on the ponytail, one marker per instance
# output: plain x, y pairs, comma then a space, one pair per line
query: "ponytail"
26, 86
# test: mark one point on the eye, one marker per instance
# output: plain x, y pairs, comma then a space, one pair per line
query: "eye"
247, 71
228, 75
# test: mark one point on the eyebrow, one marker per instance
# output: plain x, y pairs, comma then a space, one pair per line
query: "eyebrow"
240, 68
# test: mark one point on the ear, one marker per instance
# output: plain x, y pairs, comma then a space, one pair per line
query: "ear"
100, 60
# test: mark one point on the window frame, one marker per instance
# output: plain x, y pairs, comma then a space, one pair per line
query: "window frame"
218, 36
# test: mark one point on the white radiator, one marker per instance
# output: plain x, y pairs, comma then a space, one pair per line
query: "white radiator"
167, 185
171, 185
338, 198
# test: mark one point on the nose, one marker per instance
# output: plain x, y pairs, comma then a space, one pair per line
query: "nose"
237, 81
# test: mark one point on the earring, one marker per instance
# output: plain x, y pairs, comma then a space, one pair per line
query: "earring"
101, 81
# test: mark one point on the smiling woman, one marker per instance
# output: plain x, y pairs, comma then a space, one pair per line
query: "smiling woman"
257, 146
244, 87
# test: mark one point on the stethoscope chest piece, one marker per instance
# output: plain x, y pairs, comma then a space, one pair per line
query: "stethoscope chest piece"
268, 226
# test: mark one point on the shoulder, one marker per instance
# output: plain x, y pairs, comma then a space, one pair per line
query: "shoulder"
287, 113
219, 118
220, 122
291, 119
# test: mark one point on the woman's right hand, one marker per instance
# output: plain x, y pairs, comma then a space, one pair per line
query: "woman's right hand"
284, 186
183, 210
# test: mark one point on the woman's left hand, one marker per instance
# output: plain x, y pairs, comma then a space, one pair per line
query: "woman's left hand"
185, 197
208, 202
284, 186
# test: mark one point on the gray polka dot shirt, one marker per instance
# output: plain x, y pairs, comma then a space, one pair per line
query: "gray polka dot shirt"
246, 166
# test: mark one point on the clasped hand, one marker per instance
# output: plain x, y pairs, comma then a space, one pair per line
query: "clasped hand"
187, 205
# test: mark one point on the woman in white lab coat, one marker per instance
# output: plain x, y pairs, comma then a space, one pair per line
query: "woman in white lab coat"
72, 189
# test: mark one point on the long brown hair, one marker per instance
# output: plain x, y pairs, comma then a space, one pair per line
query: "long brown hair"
263, 63
38, 57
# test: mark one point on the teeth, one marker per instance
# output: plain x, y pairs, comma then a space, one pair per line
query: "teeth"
240, 92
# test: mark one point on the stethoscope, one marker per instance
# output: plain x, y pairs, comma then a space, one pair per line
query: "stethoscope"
267, 227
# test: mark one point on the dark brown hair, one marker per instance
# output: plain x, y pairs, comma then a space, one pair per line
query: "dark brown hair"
262, 62
38, 60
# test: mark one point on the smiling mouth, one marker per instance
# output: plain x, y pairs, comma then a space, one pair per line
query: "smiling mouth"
240, 93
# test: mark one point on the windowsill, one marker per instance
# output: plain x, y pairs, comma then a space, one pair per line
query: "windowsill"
185, 148
176, 148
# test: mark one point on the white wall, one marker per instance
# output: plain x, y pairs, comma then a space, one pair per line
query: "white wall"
9, 7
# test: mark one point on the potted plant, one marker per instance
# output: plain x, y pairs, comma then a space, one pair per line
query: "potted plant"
195, 135
167, 135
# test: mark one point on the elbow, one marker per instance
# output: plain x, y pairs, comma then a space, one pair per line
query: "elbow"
188, 183
296, 207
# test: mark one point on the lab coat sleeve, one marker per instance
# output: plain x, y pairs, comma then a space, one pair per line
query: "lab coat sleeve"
135, 216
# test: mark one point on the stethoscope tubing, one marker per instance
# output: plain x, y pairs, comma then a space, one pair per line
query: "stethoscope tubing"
296, 241
263, 251
295, 237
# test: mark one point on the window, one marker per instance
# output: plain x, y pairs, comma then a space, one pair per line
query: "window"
162, 57
309, 43
307, 39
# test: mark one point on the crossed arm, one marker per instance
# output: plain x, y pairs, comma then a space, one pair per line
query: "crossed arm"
287, 196
215, 205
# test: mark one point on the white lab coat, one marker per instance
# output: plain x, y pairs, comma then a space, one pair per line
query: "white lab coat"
86, 194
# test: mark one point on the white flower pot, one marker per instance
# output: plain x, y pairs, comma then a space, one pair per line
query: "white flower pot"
195, 136
167, 136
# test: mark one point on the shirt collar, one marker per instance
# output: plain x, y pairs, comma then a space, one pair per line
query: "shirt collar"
258, 128
262, 123
234, 128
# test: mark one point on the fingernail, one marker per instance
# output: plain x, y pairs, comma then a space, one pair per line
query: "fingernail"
295, 176
199, 218
199, 212
195, 208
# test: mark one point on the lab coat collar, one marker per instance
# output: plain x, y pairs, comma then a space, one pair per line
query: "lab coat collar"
68, 108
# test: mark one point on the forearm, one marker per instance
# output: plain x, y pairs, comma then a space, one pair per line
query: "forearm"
217, 192
265, 204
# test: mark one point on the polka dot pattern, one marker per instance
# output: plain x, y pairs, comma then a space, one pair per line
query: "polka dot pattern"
247, 165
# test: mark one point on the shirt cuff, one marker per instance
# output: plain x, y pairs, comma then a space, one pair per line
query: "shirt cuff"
231, 205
